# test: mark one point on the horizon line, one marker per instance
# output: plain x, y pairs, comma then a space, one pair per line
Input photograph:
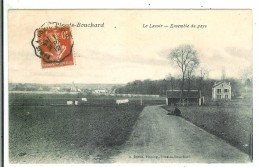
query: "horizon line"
113, 83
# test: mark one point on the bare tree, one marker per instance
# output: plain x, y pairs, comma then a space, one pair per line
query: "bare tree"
170, 77
184, 56
203, 74
190, 72
246, 74
246, 78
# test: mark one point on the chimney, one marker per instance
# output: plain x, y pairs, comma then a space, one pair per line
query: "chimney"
228, 83
215, 83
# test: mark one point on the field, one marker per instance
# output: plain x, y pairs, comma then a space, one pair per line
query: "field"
43, 129
29, 99
231, 121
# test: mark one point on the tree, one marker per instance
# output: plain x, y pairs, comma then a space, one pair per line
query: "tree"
170, 77
247, 77
203, 74
190, 72
184, 56
164, 86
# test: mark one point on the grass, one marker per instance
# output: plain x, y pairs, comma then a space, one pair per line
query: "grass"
231, 121
60, 99
83, 133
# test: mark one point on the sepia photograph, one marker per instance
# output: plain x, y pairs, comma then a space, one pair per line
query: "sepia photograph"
130, 86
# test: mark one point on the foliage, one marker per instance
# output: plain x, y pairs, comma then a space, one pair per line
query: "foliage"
159, 87
186, 58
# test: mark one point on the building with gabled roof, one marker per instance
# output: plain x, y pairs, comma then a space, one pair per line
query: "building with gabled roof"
189, 96
221, 91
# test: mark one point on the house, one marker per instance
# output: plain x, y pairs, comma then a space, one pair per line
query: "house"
221, 90
189, 97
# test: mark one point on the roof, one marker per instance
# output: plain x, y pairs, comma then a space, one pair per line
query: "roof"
217, 84
186, 94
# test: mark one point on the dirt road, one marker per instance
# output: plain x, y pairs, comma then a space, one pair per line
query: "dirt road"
158, 137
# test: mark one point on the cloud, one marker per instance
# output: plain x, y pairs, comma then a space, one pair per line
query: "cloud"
103, 58
239, 53
232, 59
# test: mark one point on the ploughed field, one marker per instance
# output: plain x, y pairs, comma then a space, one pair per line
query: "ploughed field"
231, 121
43, 129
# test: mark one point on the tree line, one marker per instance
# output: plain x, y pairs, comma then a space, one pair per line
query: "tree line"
159, 87
193, 77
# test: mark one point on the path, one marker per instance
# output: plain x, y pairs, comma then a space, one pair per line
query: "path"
158, 137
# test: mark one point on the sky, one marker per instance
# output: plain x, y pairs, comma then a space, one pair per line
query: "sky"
124, 51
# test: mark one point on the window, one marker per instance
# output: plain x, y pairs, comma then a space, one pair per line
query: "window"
218, 96
226, 90
218, 90
226, 96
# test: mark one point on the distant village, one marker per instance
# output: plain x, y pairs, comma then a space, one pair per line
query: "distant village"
84, 89
94, 89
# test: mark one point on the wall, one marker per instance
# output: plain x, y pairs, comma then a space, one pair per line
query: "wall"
222, 93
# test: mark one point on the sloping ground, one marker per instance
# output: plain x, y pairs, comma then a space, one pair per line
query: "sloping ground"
158, 138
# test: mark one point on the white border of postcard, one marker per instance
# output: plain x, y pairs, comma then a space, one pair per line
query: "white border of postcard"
140, 4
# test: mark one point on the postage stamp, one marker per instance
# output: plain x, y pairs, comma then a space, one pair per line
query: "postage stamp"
53, 44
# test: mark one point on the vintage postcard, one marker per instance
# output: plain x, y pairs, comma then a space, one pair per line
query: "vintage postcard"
130, 86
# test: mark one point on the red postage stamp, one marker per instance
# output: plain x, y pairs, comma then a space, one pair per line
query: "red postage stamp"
53, 44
